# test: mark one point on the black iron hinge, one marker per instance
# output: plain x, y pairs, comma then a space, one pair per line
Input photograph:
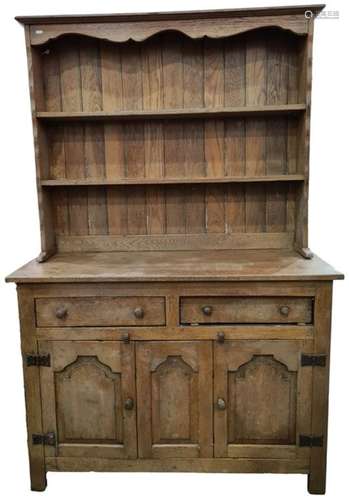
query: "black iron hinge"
38, 360
48, 439
313, 360
311, 441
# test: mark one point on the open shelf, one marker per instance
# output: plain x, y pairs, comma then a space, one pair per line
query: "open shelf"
168, 114
148, 181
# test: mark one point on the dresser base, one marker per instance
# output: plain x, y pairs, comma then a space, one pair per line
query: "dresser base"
316, 483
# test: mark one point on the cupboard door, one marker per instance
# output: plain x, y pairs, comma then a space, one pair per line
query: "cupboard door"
174, 391
262, 399
88, 399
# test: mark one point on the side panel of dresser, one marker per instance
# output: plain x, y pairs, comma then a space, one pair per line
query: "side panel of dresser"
322, 340
31, 374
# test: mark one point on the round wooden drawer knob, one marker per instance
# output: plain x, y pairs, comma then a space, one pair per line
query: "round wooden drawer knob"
139, 312
284, 310
221, 404
207, 310
61, 312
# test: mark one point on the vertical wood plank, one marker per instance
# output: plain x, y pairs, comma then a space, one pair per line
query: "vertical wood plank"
173, 131
195, 221
69, 60
214, 134
293, 49
132, 92
134, 149
156, 223
172, 70
235, 207
136, 213
97, 211
276, 215
52, 82
194, 164
214, 97
291, 208
292, 133
276, 132
91, 91
235, 72
193, 73
58, 171
152, 76
277, 69
255, 208
235, 95
56, 152
215, 209
90, 70
111, 83
193, 134
276, 195
134, 162
117, 210
256, 85
73, 135
235, 148
292, 97
175, 210
131, 76
111, 77
152, 81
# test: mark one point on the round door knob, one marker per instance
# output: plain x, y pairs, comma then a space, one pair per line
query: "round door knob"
128, 404
207, 310
284, 310
61, 312
221, 404
139, 312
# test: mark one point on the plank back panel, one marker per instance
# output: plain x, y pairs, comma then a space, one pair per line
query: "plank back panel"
171, 71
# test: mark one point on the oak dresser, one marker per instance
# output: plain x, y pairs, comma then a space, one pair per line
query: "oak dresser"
175, 319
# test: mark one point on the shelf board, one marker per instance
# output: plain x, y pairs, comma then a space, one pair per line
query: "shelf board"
171, 113
168, 180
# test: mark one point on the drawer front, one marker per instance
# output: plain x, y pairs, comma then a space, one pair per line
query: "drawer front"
101, 311
214, 310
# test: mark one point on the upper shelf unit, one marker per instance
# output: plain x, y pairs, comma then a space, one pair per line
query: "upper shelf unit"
172, 130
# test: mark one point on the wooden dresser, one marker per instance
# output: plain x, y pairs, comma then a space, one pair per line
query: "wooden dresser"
175, 319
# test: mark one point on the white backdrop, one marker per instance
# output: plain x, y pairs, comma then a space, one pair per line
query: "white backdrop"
20, 242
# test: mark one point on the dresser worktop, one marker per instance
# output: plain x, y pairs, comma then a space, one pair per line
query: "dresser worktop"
220, 265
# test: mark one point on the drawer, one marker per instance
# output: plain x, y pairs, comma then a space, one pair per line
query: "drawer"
215, 310
101, 311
